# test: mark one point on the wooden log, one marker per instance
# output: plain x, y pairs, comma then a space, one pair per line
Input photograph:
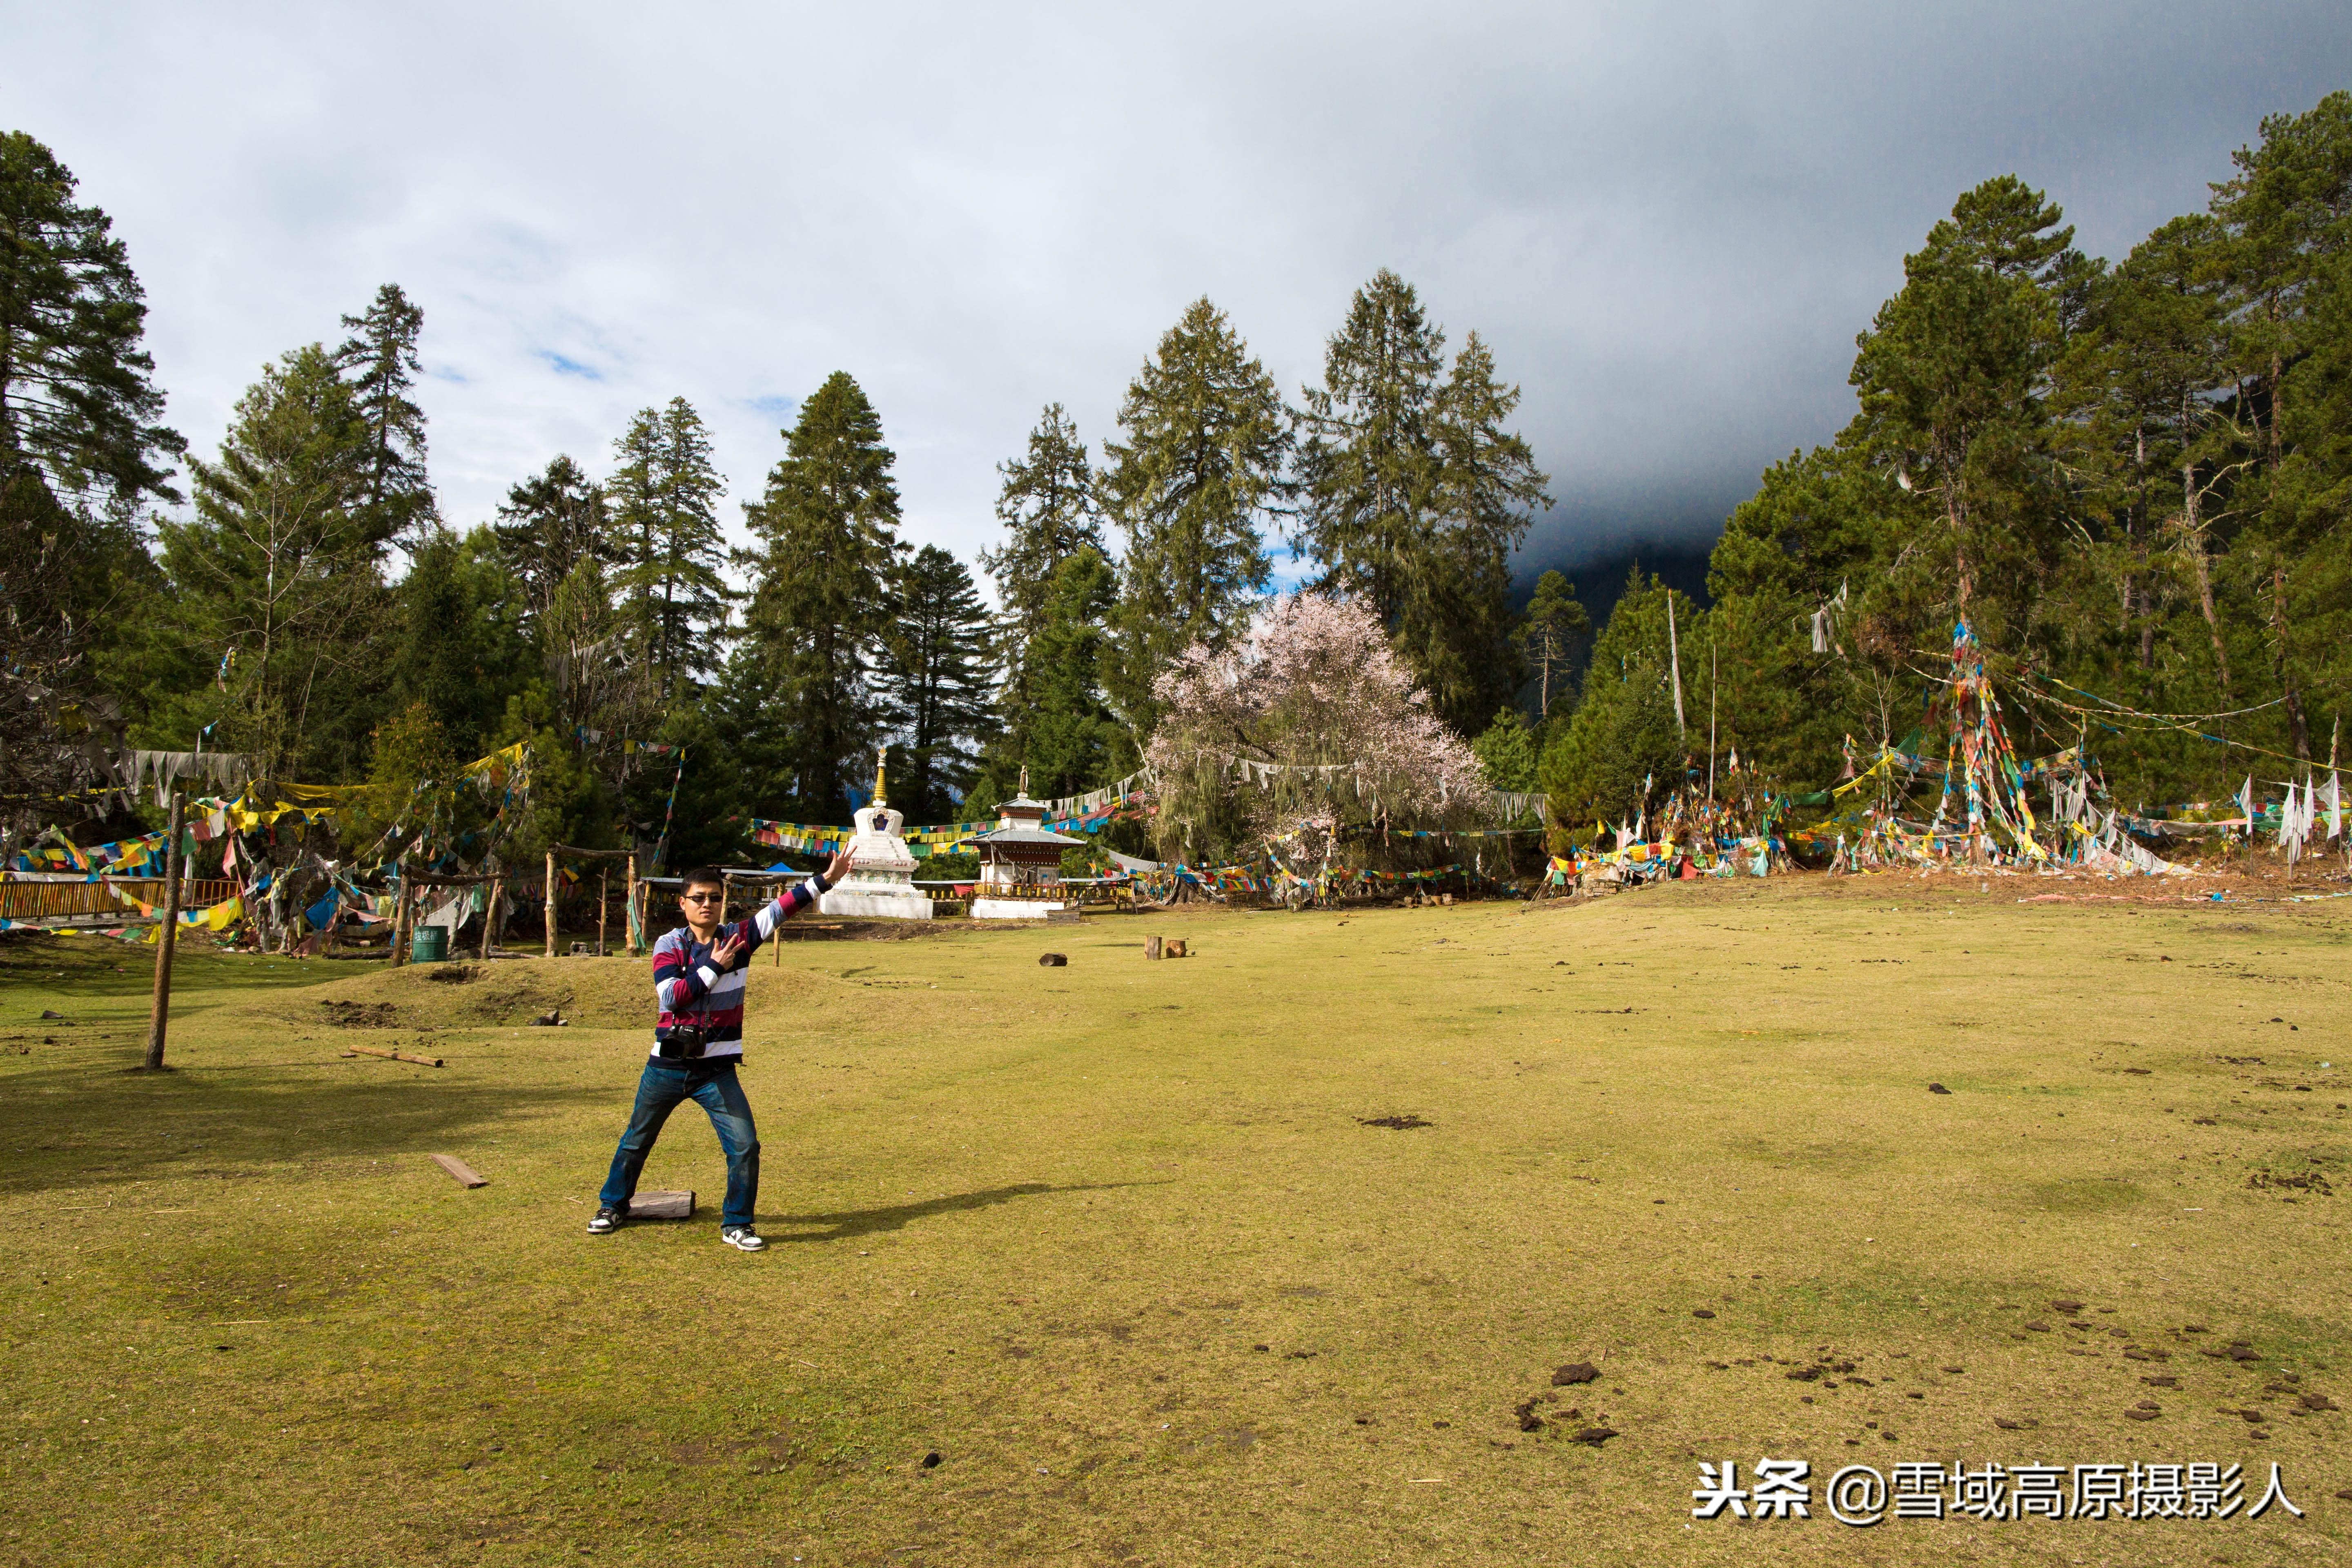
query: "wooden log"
629, 909
1151, 947
459, 1172
550, 904
603, 908
390, 1055
662, 1205
1173, 948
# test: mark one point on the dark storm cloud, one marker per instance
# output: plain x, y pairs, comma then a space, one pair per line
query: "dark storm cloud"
1669, 224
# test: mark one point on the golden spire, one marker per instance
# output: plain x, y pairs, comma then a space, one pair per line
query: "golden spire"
880, 754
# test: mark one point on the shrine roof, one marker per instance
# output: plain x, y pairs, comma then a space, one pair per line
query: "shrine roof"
1021, 836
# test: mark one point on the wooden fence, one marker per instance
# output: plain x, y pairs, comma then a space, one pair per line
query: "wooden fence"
84, 903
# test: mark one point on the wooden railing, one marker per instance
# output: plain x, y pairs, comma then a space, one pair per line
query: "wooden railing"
83, 901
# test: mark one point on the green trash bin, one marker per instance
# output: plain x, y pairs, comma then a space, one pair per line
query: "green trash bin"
430, 946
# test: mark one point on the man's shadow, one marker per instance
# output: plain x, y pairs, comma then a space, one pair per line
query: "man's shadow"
855, 1223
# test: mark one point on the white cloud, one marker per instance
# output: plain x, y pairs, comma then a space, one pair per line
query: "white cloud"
1668, 222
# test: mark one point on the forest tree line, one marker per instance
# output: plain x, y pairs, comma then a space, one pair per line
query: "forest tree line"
297, 596
2129, 478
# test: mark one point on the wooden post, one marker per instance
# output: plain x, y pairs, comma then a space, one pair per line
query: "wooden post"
550, 903
159, 1016
629, 909
490, 914
603, 905
725, 887
404, 917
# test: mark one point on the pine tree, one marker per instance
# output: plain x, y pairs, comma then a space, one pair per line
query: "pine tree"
821, 600
1621, 751
1049, 513
2157, 349
1202, 459
76, 398
937, 677
278, 575
593, 680
664, 497
2288, 215
1549, 635
1506, 751
1368, 462
1071, 741
550, 524
462, 643
380, 361
1414, 494
1951, 376
1457, 620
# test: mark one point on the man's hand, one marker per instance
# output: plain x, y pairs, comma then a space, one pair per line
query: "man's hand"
836, 869
726, 950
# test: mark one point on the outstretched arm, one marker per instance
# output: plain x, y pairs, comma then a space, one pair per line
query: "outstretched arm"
784, 905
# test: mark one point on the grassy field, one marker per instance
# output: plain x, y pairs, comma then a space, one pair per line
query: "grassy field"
1116, 1242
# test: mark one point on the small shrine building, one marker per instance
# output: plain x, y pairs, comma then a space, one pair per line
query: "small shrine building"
1020, 863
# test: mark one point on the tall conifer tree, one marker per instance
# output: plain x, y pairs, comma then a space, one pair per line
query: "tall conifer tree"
937, 677
1200, 461
1070, 741
76, 398
550, 524
1951, 377
664, 496
278, 574
380, 361
827, 527
1549, 635
1368, 463
1414, 494
1049, 512
1457, 622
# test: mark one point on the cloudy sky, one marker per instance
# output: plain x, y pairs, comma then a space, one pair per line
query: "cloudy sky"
1669, 221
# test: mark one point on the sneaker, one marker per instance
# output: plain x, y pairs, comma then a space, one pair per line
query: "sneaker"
608, 1220
742, 1239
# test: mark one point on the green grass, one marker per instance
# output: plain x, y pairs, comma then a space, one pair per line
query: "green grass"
1039, 1221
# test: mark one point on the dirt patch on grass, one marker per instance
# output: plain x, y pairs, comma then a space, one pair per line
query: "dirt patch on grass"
345, 1015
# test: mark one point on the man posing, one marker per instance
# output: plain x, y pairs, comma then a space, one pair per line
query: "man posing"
698, 1040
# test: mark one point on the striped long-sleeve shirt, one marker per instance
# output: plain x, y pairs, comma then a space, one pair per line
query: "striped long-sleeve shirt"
690, 988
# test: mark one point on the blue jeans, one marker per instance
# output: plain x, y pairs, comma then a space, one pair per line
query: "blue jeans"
711, 1085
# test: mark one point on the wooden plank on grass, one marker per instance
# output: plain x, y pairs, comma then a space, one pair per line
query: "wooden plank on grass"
662, 1205
392, 1056
459, 1172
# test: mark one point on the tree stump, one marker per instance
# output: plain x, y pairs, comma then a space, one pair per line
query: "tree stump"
1151, 948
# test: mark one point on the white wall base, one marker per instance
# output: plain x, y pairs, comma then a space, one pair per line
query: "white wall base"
869, 906
1014, 909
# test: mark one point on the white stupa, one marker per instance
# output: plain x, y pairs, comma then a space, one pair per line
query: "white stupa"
881, 880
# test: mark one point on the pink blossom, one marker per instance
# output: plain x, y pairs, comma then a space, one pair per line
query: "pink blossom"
1311, 724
